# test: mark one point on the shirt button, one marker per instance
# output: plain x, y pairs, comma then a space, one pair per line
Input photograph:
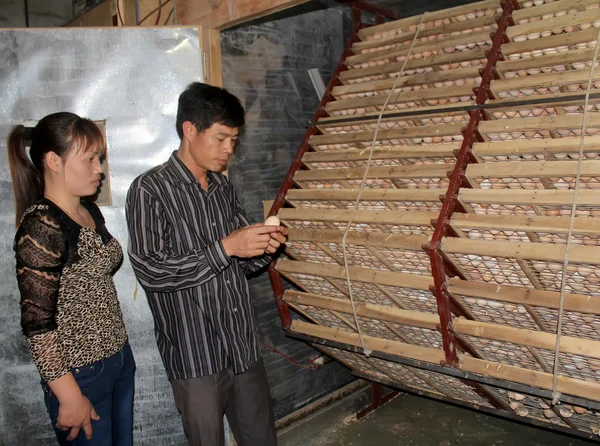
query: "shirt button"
228, 282
214, 224
235, 310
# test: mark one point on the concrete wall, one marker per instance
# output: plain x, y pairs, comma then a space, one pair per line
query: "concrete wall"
266, 65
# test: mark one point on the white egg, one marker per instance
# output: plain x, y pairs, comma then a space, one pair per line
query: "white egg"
273, 220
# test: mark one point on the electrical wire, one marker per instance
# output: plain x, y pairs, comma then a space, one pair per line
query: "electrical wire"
159, 13
293, 361
160, 6
119, 16
169, 16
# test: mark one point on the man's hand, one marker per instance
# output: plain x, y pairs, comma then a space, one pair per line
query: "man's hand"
277, 239
250, 241
76, 414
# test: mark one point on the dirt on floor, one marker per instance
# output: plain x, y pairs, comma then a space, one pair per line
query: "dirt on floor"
417, 421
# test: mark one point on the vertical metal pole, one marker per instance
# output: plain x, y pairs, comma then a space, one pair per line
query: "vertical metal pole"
26, 6
448, 207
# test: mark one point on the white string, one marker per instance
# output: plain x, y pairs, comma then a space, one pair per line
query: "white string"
367, 351
555, 393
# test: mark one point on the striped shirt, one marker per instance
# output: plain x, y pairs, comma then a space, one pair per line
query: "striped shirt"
198, 295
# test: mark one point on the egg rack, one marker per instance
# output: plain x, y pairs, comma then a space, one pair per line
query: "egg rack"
455, 249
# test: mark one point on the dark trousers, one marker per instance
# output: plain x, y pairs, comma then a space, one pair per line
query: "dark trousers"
244, 398
108, 384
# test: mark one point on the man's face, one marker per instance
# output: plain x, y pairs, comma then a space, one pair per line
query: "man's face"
212, 148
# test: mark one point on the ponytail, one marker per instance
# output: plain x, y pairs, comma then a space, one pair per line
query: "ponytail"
27, 180
59, 133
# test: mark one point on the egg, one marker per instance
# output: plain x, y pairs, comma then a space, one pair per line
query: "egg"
273, 220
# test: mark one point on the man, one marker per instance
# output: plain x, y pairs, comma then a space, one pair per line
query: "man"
191, 246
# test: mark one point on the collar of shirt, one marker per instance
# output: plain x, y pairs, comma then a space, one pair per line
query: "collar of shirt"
180, 173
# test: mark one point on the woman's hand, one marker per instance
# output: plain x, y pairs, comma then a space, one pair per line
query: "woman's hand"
76, 414
75, 411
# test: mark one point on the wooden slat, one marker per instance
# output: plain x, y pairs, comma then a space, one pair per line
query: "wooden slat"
419, 353
539, 123
533, 169
419, 47
375, 239
487, 20
399, 152
519, 250
400, 97
365, 309
406, 81
415, 114
431, 16
543, 380
379, 277
532, 223
396, 67
569, 144
544, 80
548, 100
549, 60
520, 336
422, 195
551, 8
524, 296
230, 13
575, 19
376, 217
565, 39
401, 133
530, 197
531, 338
210, 42
357, 173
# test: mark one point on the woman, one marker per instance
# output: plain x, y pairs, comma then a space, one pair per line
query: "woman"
65, 260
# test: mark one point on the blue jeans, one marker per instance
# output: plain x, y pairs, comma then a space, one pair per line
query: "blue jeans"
108, 384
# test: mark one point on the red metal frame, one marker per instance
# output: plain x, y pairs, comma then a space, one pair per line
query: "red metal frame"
438, 264
377, 399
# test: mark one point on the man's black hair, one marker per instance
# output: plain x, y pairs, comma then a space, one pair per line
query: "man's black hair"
204, 105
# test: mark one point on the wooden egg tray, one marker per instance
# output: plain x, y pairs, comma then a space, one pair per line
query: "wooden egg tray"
554, 19
441, 128
443, 66
440, 24
408, 291
552, 38
505, 240
412, 378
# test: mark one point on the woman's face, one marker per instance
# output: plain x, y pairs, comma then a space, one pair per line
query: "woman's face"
82, 172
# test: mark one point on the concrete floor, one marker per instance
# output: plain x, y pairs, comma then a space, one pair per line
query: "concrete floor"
416, 421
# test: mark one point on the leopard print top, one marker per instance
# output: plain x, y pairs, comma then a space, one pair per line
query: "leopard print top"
69, 307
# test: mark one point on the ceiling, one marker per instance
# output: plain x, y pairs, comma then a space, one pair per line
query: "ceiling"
406, 8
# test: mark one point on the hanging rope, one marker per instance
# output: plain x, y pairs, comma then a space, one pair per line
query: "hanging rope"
555, 393
367, 351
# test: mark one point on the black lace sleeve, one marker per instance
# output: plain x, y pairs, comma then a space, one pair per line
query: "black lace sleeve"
40, 251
